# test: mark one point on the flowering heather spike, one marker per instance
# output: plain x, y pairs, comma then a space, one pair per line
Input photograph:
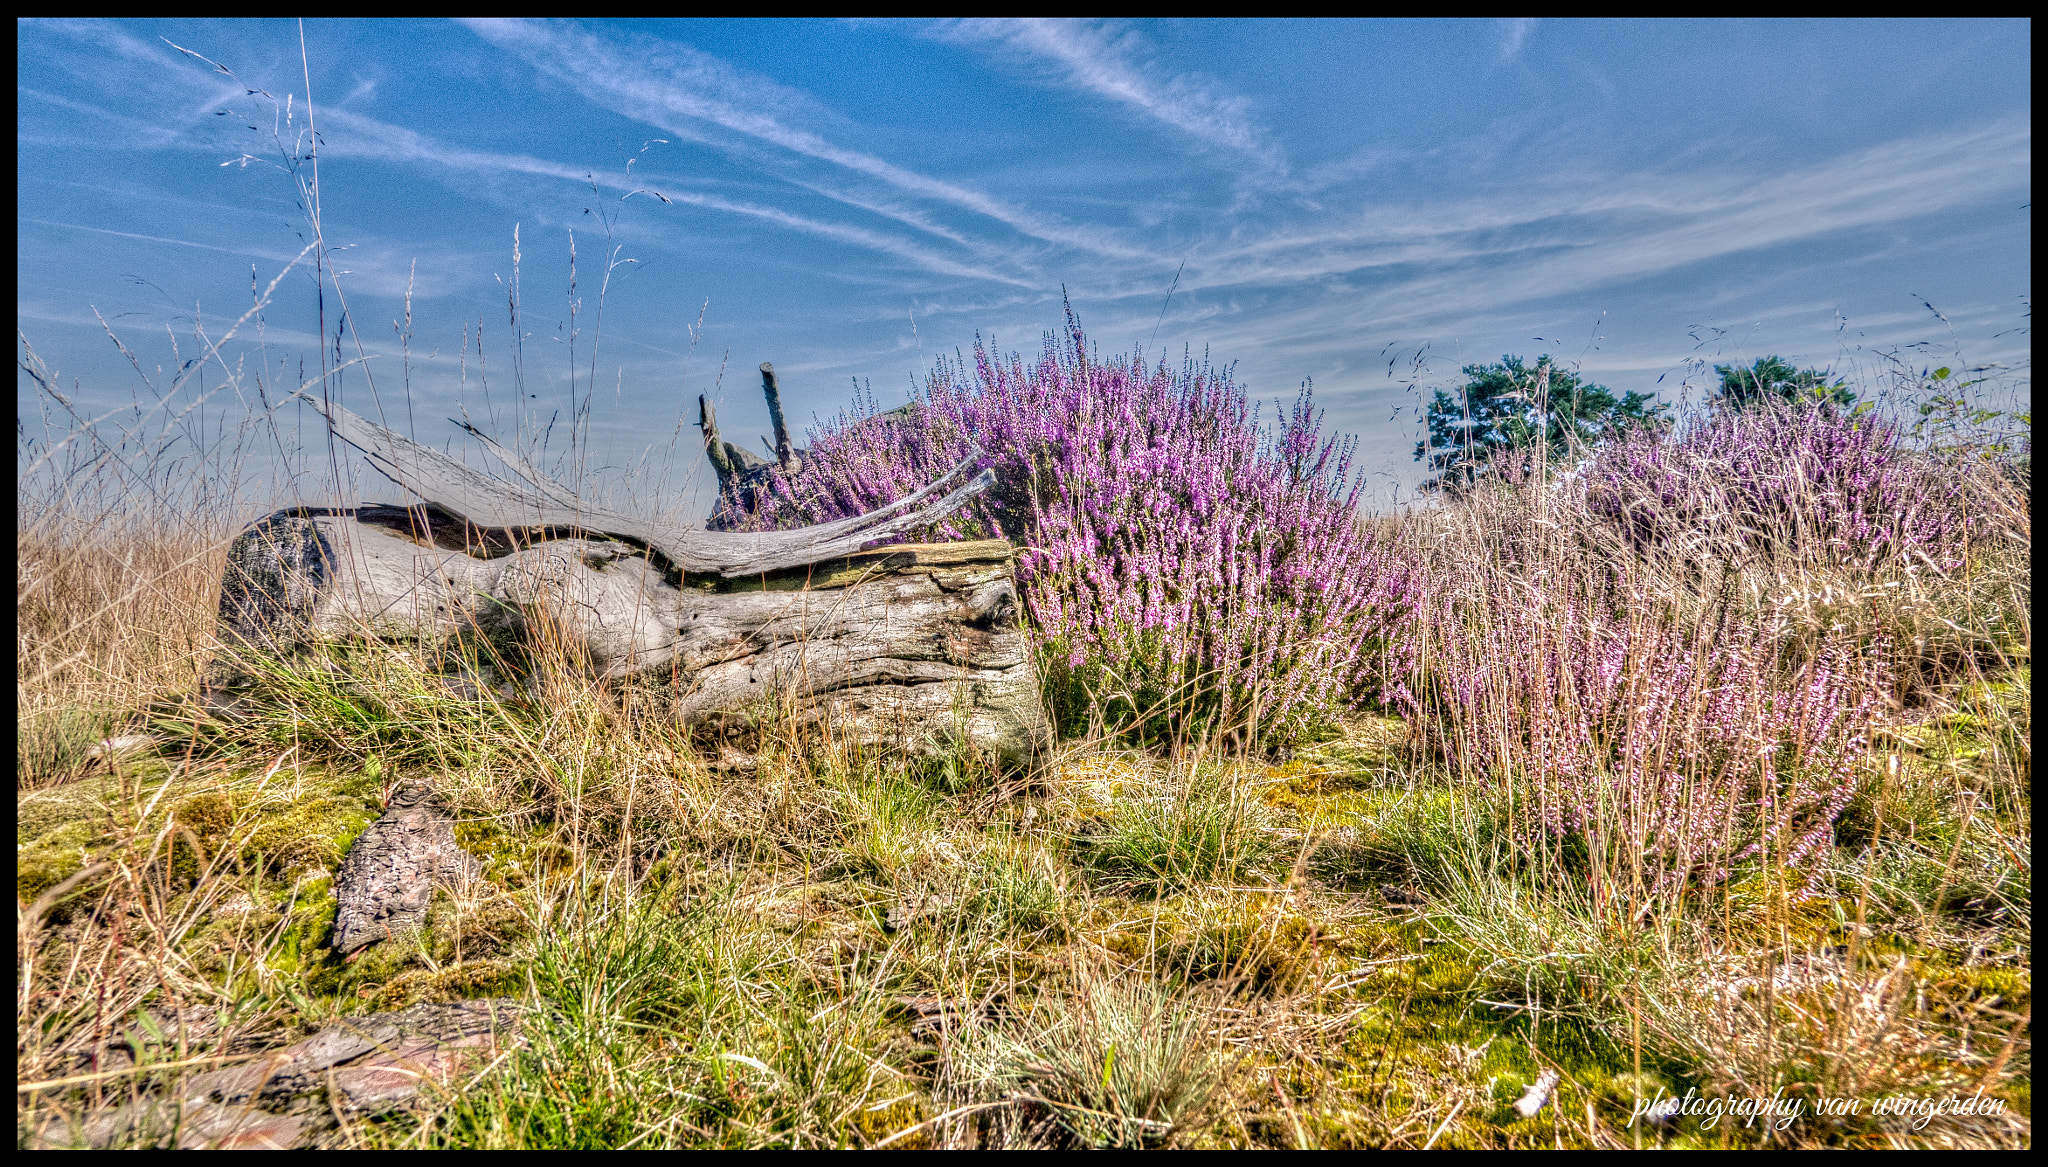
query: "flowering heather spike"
1674, 732
1184, 569
1749, 483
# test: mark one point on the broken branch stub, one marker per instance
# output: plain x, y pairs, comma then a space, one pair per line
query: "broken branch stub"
742, 474
785, 455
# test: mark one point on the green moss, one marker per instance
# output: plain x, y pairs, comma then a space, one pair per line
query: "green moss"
511, 855
1321, 799
1369, 750
315, 832
360, 977
1968, 990
456, 982
875, 1123
1425, 1035
487, 929
210, 815
58, 855
1260, 942
304, 943
37, 812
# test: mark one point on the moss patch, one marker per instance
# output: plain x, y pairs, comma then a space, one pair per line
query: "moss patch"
314, 832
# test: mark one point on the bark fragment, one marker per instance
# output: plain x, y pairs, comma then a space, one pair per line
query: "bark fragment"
387, 881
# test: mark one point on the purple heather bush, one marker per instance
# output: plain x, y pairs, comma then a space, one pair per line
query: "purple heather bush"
1603, 649
1672, 749
1186, 570
1830, 486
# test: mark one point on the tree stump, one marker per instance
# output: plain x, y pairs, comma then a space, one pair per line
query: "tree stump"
915, 647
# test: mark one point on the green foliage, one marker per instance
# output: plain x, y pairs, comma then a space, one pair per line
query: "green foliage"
355, 701
1122, 1061
456, 982
1016, 891
1951, 420
663, 1030
1251, 941
885, 824
1772, 379
52, 744
1509, 406
1208, 831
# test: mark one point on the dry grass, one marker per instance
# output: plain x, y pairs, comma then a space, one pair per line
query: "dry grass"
104, 629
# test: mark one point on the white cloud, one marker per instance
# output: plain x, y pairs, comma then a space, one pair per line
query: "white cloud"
104, 34
1607, 230
675, 87
1116, 63
259, 253
350, 134
1514, 34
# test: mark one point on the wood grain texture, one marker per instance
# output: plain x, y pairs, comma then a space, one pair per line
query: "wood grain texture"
385, 885
915, 647
489, 502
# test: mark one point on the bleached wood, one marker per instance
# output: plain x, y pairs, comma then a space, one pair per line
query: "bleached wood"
911, 646
543, 502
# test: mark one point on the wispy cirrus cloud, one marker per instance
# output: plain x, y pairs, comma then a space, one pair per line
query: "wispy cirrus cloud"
254, 252
723, 97
1517, 246
380, 267
104, 35
1514, 34
680, 90
1115, 63
1492, 262
143, 132
349, 134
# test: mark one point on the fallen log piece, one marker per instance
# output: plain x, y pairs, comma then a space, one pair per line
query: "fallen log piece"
914, 647
448, 485
273, 1096
910, 646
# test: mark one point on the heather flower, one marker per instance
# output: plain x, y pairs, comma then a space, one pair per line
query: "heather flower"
1186, 569
1675, 751
1673, 733
1816, 483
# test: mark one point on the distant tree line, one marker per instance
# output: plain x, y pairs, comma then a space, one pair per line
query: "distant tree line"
1511, 405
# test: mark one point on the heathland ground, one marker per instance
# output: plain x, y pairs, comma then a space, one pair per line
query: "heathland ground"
1693, 764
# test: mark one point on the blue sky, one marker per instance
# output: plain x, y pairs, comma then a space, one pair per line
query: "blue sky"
1367, 204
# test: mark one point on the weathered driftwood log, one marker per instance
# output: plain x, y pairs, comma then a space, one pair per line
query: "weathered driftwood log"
913, 645
916, 647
